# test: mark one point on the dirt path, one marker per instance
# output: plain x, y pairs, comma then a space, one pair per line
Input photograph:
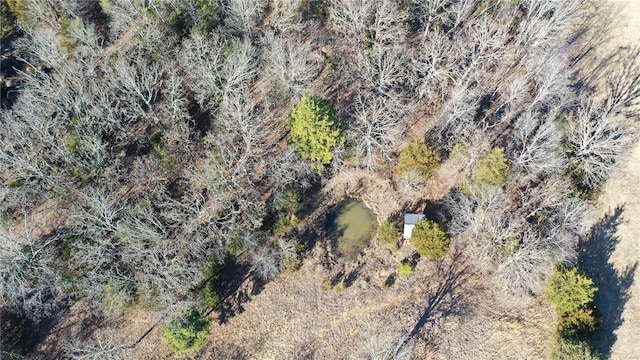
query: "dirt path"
619, 300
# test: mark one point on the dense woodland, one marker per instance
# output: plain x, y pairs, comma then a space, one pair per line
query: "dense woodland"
145, 145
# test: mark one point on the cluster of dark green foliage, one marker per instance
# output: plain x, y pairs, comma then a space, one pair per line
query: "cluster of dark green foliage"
571, 349
571, 293
493, 167
420, 158
293, 260
157, 147
405, 268
7, 19
212, 283
186, 332
202, 16
235, 246
430, 239
287, 206
314, 130
389, 233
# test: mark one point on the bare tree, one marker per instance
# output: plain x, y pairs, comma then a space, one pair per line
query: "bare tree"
239, 71
243, 15
523, 271
265, 260
551, 77
366, 24
202, 59
388, 26
429, 12
285, 16
292, 63
537, 140
375, 132
458, 112
432, 64
104, 344
140, 83
383, 72
544, 22
289, 170
147, 20
127, 254
460, 11
29, 282
351, 18
596, 139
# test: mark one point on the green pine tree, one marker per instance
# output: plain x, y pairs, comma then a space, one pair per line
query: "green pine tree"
314, 131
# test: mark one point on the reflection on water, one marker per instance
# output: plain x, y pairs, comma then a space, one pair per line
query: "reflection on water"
352, 225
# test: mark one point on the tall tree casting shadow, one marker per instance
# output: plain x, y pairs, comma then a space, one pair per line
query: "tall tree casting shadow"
443, 298
594, 257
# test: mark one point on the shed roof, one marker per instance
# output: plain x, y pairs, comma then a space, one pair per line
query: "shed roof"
411, 219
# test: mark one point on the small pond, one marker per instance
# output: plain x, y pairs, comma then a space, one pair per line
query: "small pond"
351, 225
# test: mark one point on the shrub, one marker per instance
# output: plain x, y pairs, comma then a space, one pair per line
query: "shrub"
159, 152
288, 202
493, 167
207, 16
179, 22
314, 130
458, 150
418, 157
17, 9
388, 233
405, 268
578, 324
235, 246
68, 242
430, 239
7, 19
212, 283
292, 255
119, 294
569, 349
286, 205
571, 292
332, 63
286, 223
186, 332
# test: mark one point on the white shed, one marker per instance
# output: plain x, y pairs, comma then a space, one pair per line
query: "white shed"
410, 221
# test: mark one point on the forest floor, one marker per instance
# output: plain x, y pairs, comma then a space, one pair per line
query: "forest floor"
612, 253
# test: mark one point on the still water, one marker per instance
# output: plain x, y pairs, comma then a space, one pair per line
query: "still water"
352, 225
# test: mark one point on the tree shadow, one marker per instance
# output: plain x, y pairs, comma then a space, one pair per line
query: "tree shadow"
592, 32
235, 274
594, 254
442, 300
25, 333
435, 210
617, 72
